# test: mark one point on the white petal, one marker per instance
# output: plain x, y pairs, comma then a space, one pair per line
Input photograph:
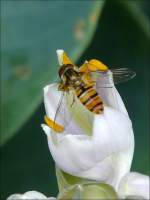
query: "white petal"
106, 156
60, 56
51, 100
113, 145
135, 184
106, 89
64, 117
33, 195
73, 153
14, 197
113, 139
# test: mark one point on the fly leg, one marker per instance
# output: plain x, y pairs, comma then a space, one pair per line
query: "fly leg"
91, 66
62, 87
73, 100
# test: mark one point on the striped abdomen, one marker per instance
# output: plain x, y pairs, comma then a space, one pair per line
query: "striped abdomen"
90, 99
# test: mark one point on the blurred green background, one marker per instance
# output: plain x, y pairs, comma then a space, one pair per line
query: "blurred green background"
116, 32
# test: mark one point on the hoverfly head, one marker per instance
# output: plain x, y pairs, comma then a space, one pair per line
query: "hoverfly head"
63, 70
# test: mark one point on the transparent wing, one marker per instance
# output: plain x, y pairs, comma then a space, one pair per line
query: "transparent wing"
68, 114
63, 116
59, 107
114, 76
121, 75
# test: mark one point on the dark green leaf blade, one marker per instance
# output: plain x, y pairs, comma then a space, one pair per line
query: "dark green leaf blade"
31, 33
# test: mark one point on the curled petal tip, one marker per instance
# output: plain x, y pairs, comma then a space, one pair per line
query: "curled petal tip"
32, 195
134, 184
46, 88
46, 129
60, 53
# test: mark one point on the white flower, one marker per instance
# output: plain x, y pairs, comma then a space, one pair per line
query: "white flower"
34, 195
106, 152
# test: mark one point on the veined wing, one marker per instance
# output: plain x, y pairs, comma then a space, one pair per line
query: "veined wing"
56, 122
121, 75
113, 76
62, 115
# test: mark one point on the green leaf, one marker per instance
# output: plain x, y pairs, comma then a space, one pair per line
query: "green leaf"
31, 33
137, 12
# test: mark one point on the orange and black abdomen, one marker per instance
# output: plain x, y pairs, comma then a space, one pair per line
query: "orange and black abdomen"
90, 99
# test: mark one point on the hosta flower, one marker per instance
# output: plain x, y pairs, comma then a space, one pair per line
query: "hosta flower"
96, 147
33, 195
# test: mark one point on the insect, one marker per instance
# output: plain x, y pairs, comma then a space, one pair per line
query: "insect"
73, 79
82, 82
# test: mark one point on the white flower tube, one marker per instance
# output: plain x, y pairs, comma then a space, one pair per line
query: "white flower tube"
103, 155
33, 195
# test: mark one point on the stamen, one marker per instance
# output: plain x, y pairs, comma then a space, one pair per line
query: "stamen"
95, 65
53, 125
66, 59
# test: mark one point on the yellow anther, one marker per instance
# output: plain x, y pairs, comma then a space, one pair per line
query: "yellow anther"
96, 65
53, 125
84, 68
66, 59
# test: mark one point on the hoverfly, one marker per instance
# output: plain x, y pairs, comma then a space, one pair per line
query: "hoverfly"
82, 82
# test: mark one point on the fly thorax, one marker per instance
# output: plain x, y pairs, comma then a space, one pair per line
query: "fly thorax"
78, 83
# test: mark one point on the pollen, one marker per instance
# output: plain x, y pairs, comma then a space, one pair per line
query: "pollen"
53, 125
95, 65
66, 59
